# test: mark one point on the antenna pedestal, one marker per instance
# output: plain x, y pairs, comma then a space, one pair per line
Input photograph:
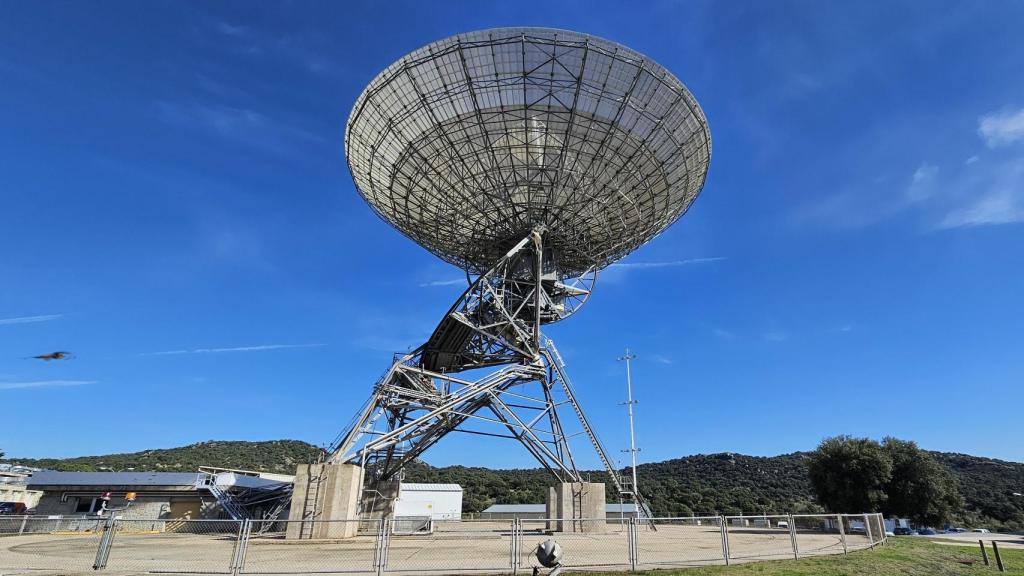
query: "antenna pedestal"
577, 505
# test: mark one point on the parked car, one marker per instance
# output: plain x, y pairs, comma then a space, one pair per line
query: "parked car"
903, 531
12, 508
955, 530
889, 533
926, 532
980, 530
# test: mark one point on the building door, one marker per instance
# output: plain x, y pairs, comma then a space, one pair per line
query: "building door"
180, 511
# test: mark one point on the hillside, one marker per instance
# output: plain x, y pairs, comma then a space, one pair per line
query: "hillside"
271, 456
694, 485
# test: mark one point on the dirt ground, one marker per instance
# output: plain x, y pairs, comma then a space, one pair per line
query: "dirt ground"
465, 547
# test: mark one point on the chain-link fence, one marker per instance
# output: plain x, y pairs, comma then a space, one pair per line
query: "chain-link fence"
44, 543
602, 543
418, 545
140, 546
311, 546
674, 542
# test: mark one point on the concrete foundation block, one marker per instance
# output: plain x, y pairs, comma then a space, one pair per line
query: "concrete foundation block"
577, 507
325, 492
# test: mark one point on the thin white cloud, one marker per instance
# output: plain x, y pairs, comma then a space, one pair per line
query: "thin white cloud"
1001, 128
305, 50
662, 359
998, 198
722, 333
44, 384
998, 207
922, 183
234, 349
435, 283
971, 160
235, 31
239, 125
666, 264
776, 336
29, 319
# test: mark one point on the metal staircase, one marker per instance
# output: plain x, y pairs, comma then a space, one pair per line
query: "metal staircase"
208, 482
622, 484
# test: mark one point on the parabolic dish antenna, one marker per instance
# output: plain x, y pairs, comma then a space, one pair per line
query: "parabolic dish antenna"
470, 143
531, 158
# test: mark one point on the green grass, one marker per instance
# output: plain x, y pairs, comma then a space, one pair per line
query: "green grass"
900, 557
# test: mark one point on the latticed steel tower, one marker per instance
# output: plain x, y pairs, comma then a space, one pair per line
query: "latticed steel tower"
530, 158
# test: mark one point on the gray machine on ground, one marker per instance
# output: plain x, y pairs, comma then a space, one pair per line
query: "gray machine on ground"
530, 158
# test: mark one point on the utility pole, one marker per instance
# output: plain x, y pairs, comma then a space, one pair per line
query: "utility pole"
632, 442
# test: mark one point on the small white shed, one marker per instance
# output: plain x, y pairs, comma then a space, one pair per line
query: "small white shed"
436, 501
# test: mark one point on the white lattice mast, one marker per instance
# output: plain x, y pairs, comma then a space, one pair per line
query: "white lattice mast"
635, 488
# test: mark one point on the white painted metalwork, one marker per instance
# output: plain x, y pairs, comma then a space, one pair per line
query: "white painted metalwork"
470, 143
531, 158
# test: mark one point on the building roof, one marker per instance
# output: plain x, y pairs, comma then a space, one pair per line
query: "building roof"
55, 478
541, 508
411, 487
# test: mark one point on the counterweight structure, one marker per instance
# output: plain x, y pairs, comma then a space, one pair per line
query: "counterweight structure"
530, 158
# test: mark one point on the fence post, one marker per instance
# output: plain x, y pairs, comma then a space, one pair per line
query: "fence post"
22, 529
792, 538
999, 559
103, 551
984, 553
842, 533
631, 543
725, 539
241, 546
513, 552
383, 541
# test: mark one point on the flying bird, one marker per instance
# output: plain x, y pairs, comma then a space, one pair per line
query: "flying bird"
58, 355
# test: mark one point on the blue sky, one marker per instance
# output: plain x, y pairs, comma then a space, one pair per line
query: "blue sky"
176, 211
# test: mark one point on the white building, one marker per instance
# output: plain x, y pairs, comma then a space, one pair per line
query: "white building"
436, 501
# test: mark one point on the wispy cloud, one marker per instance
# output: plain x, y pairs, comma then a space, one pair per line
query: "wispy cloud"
661, 359
259, 348
1001, 128
239, 125
776, 336
29, 319
994, 196
435, 283
306, 50
922, 183
985, 189
666, 263
722, 333
234, 30
44, 384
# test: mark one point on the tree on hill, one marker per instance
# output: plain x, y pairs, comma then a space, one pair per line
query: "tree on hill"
850, 474
920, 488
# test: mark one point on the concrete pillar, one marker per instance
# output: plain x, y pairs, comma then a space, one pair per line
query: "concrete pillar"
325, 492
569, 502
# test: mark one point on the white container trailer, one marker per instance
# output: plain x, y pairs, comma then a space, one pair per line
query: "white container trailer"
434, 501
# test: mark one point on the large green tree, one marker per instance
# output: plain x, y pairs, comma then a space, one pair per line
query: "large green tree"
920, 488
850, 474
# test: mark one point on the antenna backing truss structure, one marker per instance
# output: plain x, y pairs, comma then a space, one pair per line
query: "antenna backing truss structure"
521, 390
